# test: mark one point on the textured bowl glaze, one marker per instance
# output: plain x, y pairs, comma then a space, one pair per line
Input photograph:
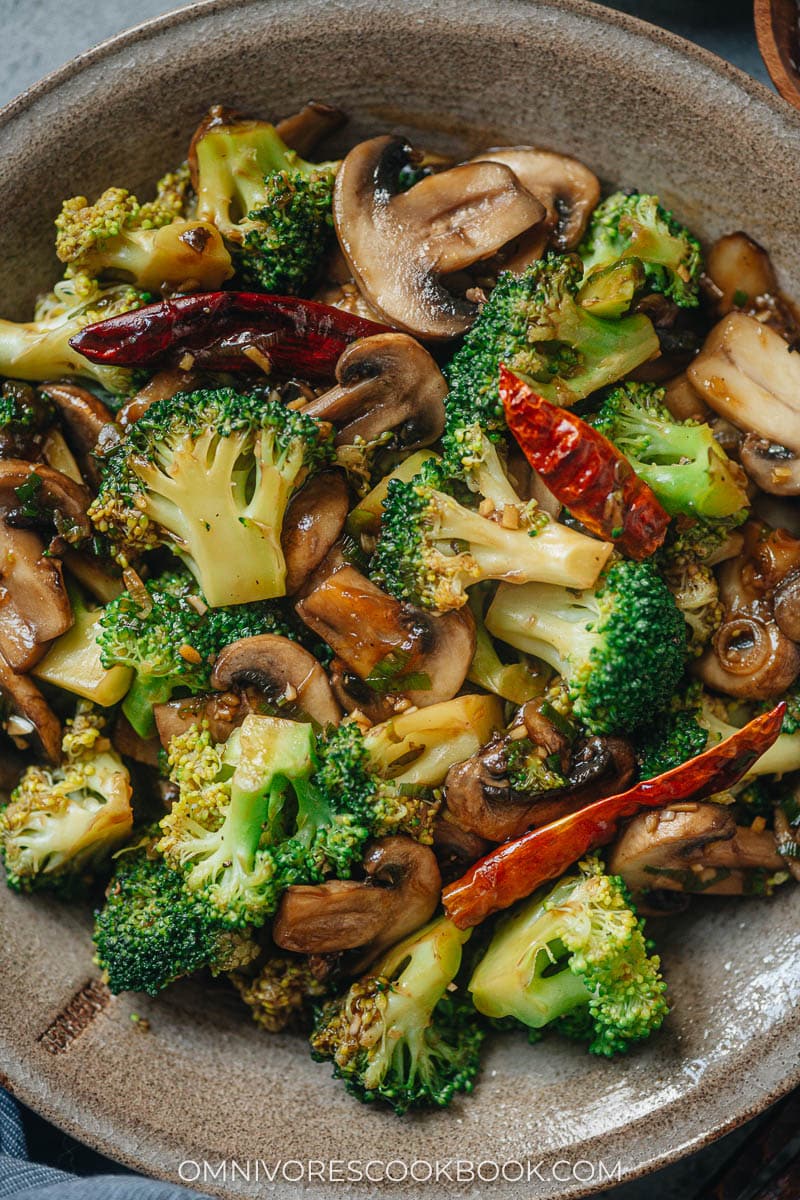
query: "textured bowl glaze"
642, 108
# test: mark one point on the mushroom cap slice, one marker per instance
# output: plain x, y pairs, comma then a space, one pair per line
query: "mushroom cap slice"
34, 605
386, 382
85, 419
691, 847
398, 245
27, 702
566, 187
280, 669
370, 631
747, 373
313, 522
401, 892
786, 605
775, 469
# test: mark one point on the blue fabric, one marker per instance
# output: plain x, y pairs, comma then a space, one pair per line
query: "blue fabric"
24, 1180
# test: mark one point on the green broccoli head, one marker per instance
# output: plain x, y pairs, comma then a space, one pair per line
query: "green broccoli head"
529, 769
575, 951
272, 207
695, 590
681, 461
621, 649
210, 474
63, 822
152, 931
169, 636
633, 225
283, 993
664, 746
39, 349
432, 547
249, 821
534, 324
146, 244
403, 1034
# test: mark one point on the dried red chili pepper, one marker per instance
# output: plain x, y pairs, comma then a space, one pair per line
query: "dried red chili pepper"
584, 470
227, 331
517, 868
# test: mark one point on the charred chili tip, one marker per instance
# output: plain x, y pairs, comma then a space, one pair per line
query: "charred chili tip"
584, 471
517, 868
228, 331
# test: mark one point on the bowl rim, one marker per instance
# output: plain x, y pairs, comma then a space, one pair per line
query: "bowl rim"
21, 1086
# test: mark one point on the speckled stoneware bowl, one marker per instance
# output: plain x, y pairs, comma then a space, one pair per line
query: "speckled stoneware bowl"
642, 108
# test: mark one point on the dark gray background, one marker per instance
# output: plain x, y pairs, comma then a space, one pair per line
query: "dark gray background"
40, 35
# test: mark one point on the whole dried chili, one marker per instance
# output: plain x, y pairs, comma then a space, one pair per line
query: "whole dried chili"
517, 868
227, 331
584, 470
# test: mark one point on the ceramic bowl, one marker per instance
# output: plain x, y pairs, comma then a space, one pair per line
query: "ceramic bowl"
644, 109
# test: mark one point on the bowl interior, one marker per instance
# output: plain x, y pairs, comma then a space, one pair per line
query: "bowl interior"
203, 1083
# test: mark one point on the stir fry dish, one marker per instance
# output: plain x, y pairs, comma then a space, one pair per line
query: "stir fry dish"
400, 592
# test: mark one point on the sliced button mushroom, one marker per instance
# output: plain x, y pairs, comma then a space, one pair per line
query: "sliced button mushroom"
750, 656
31, 718
399, 245
786, 605
747, 373
775, 469
302, 130
385, 383
34, 606
740, 271
162, 386
222, 713
313, 522
568, 190
480, 799
283, 672
692, 847
400, 893
392, 647
85, 419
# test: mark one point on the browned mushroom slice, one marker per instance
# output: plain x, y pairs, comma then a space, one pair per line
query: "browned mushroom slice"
750, 656
747, 373
281, 671
31, 719
568, 190
481, 800
85, 419
775, 469
399, 245
692, 847
387, 382
401, 892
34, 605
313, 521
739, 275
393, 647
683, 401
222, 713
302, 130
128, 742
786, 605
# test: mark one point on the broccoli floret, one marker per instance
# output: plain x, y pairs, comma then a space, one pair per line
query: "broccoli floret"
534, 325
621, 648
40, 349
145, 244
516, 682
400, 1034
529, 769
249, 821
267, 202
210, 474
152, 931
681, 461
380, 804
170, 638
633, 225
432, 547
672, 741
695, 590
283, 993
63, 822
576, 950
